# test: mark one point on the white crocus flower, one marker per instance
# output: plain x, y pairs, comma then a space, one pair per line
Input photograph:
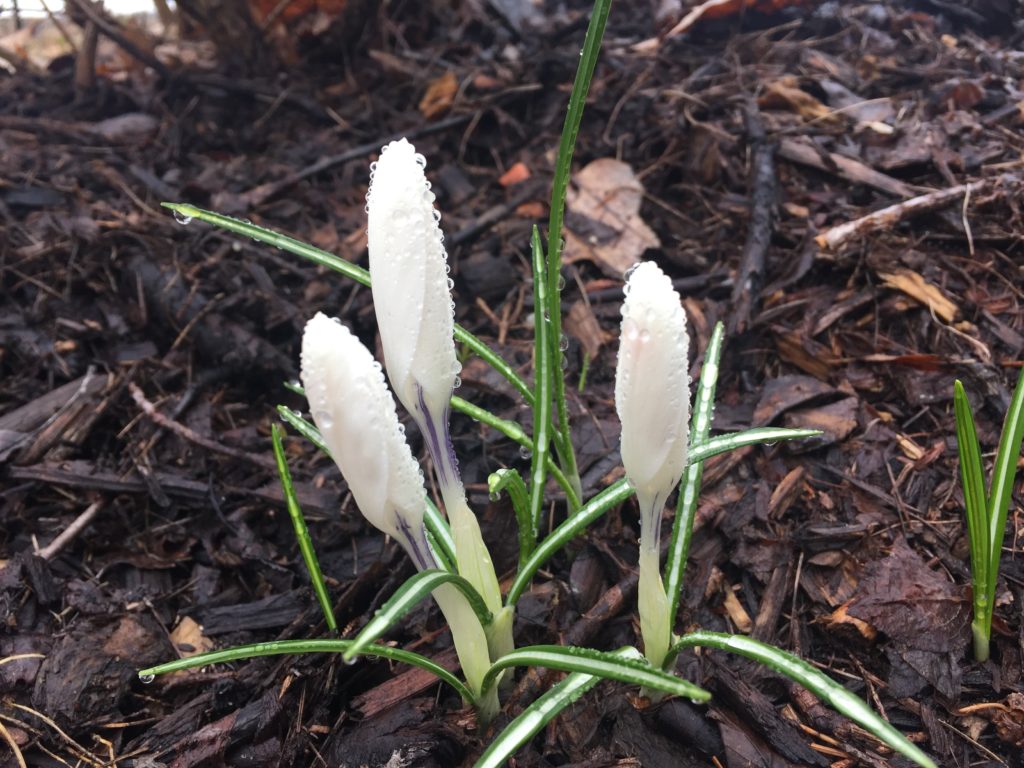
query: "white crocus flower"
356, 416
415, 317
652, 398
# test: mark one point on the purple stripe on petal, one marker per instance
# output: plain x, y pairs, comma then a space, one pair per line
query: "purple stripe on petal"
443, 454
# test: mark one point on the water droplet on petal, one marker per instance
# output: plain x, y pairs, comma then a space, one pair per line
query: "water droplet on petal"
458, 382
323, 419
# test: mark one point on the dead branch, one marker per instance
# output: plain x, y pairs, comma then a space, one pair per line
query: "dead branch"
191, 436
746, 293
887, 218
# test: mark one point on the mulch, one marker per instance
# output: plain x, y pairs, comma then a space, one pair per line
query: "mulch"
141, 362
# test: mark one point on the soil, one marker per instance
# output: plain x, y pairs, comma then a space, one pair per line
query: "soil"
141, 362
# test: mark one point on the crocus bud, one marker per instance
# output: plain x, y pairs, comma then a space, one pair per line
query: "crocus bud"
652, 398
355, 414
415, 317
411, 294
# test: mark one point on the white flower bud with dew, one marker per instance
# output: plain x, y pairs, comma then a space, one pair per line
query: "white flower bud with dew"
652, 398
356, 416
415, 317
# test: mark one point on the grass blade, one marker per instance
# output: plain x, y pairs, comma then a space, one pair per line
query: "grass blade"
689, 487
542, 353
620, 665
186, 212
733, 440
1004, 472
406, 598
438, 533
560, 183
316, 577
976, 509
291, 647
816, 682
510, 481
536, 716
614, 494
513, 431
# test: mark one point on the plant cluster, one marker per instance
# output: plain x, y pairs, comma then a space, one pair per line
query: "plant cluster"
355, 421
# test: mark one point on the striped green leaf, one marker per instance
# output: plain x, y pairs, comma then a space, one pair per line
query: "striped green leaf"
293, 647
316, 577
406, 598
818, 683
619, 665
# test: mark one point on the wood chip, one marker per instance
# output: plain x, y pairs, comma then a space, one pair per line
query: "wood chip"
914, 285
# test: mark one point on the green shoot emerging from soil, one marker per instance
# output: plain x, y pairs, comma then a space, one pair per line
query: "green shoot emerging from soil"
355, 422
987, 509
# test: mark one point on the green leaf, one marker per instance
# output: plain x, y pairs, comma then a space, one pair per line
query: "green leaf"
563, 167
1004, 472
620, 665
535, 717
513, 431
301, 531
733, 440
816, 682
542, 356
511, 481
976, 507
291, 647
438, 533
407, 597
614, 494
689, 487
351, 271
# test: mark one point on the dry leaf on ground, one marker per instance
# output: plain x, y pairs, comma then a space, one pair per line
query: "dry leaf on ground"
603, 221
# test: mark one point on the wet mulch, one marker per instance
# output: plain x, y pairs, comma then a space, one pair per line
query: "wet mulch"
141, 361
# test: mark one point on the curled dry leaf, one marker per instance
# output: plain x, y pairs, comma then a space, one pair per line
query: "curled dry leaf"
581, 323
603, 221
915, 286
439, 96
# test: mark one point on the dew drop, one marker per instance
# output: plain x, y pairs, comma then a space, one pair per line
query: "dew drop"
456, 368
645, 336
421, 161
146, 679
564, 363
525, 452
458, 382
323, 420
494, 496
563, 343
295, 384
182, 219
451, 283
561, 282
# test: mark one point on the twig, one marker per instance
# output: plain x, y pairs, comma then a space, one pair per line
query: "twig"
746, 293
111, 30
650, 46
182, 431
846, 167
6, 735
68, 534
887, 218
